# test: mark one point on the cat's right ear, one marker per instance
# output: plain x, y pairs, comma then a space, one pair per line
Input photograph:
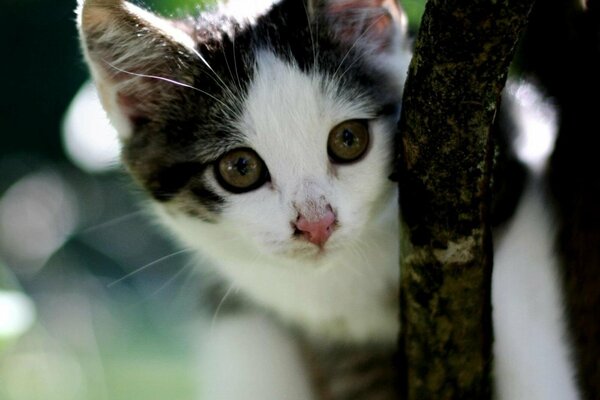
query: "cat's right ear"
377, 26
138, 60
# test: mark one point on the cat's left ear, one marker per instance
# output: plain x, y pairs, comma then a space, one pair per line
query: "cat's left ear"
375, 25
139, 61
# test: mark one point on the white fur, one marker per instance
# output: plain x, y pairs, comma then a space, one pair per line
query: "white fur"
250, 358
537, 120
343, 293
244, 9
532, 355
532, 346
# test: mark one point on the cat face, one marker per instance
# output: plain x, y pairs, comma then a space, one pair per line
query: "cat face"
272, 134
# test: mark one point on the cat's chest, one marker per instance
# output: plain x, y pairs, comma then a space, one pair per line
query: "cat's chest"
356, 299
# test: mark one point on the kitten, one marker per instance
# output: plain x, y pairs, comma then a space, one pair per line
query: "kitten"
266, 143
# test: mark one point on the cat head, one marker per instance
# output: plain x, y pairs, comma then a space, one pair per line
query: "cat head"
273, 132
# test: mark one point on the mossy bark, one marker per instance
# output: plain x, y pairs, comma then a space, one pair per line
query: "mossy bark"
445, 155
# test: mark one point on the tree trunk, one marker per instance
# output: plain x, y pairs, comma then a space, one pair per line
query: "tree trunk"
445, 157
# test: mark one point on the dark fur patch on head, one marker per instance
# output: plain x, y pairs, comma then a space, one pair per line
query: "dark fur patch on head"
167, 182
312, 43
208, 198
169, 152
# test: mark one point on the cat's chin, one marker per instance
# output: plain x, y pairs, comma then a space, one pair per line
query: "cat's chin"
314, 255
307, 254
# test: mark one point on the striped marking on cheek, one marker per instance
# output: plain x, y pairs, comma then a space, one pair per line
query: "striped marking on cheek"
181, 182
166, 183
209, 199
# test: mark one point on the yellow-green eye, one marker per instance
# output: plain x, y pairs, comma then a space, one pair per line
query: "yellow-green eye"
348, 141
241, 170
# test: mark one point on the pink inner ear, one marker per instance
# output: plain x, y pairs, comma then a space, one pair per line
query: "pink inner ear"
131, 107
370, 20
338, 6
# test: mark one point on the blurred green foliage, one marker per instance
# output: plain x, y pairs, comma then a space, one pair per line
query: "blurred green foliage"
414, 11
169, 7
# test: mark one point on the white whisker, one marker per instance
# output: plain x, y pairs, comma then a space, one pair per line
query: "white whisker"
216, 77
312, 39
185, 286
112, 222
174, 82
237, 75
129, 275
357, 59
172, 278
355, 43
223, 299
227, 65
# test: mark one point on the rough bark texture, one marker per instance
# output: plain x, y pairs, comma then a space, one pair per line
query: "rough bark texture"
445, 155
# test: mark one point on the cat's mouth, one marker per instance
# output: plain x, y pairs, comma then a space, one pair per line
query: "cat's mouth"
300, 248
308, 253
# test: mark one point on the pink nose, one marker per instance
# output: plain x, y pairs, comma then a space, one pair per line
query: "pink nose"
317, 232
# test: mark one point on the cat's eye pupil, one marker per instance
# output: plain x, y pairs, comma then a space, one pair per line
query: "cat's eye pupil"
348, 137
242, 166
348, 141
241, 170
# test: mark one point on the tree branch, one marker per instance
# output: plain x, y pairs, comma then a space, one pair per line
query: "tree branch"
445, 155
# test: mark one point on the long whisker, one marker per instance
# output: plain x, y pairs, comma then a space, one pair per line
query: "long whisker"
172, 278
174, 82
227, 63
357, 59
222, 83
129, 275
112, 222
312, 39
356, 42
239, 86
185, 286
237, 75
221, 303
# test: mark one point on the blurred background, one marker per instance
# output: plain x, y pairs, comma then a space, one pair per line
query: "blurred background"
95, 304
